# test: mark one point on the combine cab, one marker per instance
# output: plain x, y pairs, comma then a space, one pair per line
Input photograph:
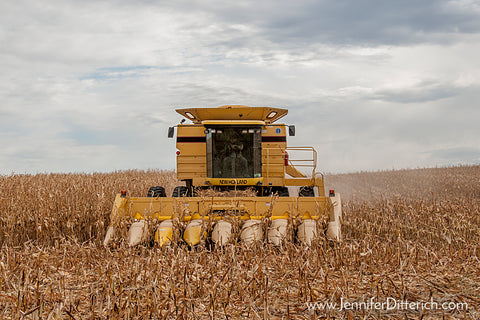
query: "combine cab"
240, 152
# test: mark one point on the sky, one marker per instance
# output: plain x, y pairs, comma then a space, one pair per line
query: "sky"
88, 86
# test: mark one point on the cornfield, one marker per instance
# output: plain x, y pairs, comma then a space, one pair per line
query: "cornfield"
410, 236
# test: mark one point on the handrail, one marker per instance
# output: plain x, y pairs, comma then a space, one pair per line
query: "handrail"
308, 162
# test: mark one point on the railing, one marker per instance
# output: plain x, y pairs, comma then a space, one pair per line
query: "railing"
307, 162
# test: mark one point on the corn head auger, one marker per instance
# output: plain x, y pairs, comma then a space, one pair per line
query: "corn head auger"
238, 151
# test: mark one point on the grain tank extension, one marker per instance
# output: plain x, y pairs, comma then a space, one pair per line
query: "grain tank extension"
242, 184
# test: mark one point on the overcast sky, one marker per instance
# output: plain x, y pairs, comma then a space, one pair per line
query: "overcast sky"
92, 85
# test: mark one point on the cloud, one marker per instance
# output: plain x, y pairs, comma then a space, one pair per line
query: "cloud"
115, 73
363, 22
417, 92
371, 84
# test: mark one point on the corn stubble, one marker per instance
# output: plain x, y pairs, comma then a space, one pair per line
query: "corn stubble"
410, 235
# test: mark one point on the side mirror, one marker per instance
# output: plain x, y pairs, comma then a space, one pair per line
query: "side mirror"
171, 132
291, 131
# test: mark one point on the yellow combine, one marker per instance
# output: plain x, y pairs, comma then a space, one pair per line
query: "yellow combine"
231, 149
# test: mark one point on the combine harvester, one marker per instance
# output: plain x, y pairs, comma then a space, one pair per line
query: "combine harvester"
231, 149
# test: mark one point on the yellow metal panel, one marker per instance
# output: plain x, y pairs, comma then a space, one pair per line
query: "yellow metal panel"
235, 207
299, 182
191, 164
194, 232
280, 145
198, 181
193, 235
188, 173
192, 150
192, 171
321, 185
192, 160
164, 235
233, 122
274, 181
233, 182
191, 167
292, 171
266, 114
271, 130
273, 164
186, 130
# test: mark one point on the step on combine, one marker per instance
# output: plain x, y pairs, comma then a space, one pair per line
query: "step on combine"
242, 184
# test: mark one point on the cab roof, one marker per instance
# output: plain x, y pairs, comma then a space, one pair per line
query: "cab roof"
233, 112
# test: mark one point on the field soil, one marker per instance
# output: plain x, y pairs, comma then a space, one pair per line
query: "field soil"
410, 250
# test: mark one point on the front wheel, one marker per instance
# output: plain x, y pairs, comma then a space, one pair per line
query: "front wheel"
281, 191
180, 191
156, 191
306, 191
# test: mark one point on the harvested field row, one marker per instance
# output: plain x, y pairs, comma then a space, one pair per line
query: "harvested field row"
411, 242
46, 208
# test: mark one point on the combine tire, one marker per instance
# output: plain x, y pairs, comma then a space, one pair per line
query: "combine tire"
156, 192
306, 191
180, 191
282, 191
